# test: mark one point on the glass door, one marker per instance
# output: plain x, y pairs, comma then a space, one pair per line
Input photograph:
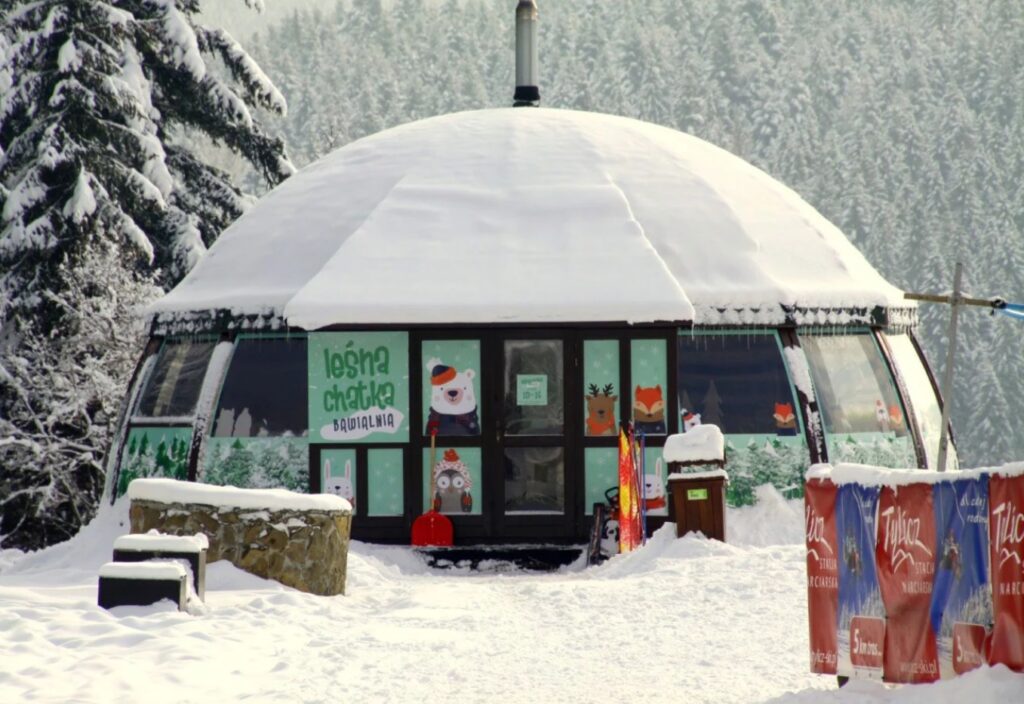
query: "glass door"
531, 449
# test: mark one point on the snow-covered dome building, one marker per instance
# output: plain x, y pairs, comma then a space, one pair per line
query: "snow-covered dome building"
521, 281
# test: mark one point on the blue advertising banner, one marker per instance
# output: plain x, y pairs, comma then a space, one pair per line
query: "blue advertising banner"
961, 609
861, 635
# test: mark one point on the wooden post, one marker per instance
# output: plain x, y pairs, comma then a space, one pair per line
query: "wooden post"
955, 301
947, 373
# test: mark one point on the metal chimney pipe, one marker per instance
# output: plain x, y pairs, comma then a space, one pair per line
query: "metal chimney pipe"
527, 93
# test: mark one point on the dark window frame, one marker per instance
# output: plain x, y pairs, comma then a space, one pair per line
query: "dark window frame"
137, 417
780, 344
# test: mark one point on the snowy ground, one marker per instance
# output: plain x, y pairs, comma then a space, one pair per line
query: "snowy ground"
681, 620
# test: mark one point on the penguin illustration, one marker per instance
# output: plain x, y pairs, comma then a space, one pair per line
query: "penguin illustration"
452, 485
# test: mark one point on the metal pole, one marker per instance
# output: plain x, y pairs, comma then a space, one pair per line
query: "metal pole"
947, 375
527, 93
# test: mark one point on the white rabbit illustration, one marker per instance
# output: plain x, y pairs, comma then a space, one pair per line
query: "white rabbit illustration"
654, 488
342, 486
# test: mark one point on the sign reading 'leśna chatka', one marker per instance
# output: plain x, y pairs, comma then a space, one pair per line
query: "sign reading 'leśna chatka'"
359, 386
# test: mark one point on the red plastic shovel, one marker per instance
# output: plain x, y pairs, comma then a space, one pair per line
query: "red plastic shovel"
432, 528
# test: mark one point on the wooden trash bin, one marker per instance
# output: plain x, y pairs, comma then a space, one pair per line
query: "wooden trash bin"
698, 502
698, 498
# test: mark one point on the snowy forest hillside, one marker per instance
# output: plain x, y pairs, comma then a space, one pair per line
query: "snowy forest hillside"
103, 203
900, 122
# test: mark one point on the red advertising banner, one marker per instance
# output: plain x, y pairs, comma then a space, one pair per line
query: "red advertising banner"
867, 643
1006, 540
822, 573
968, 647
905, 555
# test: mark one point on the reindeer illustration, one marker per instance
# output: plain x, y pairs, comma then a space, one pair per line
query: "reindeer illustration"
601, 410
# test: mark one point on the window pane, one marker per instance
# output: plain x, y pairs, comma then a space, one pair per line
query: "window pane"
737, 382
922, 397
600, 387
533, 387
601, 469
855, 392
264, 394
257, 463
173, 387
860, 408
649, 369
534, 480
451, 387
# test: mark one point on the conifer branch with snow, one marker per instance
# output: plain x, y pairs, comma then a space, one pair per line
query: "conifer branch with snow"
97, 181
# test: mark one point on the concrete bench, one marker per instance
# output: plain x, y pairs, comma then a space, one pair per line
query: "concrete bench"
142, 584
159, 546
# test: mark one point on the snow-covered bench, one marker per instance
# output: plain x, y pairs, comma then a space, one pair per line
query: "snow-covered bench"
153, 545
142, 584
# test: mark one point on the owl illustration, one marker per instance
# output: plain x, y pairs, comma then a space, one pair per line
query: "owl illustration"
452, 485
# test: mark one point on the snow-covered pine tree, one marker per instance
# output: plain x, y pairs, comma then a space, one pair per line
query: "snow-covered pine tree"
100, 197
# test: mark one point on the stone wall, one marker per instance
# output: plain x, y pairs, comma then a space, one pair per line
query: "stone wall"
304, 549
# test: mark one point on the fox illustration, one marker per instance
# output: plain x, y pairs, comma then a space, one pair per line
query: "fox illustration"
785, 420
895, 418
649, 410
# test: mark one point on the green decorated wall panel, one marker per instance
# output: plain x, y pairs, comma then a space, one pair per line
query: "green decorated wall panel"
154, 452
601, 387
451, 387
601, 472
385, 486
649, 371
359, 387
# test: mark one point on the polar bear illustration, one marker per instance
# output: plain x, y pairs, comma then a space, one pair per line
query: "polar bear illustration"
452, 400
690, 420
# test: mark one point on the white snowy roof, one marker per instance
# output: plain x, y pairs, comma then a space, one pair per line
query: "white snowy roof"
703, 443
529, 215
